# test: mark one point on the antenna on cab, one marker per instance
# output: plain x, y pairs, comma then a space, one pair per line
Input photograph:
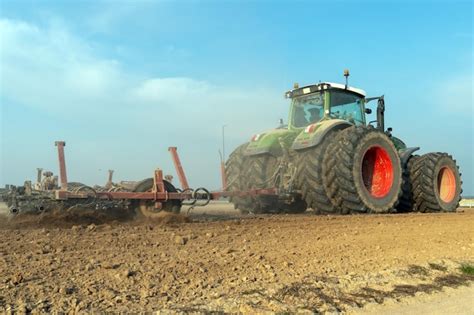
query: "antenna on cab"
346, 74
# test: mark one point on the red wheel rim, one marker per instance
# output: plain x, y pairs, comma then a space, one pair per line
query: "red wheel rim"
377, 171
446, 184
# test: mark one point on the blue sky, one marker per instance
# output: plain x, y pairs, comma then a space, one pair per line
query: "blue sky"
121, 81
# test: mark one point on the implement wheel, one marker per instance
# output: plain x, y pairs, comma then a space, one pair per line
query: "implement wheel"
436, 183
367, 172
147, 207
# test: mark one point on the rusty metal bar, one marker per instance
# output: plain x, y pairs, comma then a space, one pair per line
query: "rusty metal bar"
254, 192
159, 187
179, 168
62, 164
162, 196
158, 184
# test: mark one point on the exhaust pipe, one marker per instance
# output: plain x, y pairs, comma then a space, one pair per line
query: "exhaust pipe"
38, 175
109, 181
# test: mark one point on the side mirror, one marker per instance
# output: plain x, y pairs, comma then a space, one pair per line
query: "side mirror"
368, 111
281, 125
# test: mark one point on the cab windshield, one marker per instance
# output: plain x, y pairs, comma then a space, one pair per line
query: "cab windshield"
308, 109
347, 106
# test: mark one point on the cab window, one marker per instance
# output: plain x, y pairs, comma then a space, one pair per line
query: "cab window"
308, 109
347, 106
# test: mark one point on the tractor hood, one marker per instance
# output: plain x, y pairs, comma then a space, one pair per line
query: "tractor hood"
296, 139
313, 134
269, 141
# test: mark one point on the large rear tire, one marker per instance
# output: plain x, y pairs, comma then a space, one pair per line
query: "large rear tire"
436, 183
260, 173
234, 172
311, 184
367, 172
330, 183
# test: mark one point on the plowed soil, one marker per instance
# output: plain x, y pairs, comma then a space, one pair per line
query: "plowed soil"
218, 260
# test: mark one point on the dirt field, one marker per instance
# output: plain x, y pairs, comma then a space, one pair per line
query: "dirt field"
232, 263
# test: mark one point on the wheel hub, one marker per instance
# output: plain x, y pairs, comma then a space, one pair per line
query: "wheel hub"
377, 171
446, 184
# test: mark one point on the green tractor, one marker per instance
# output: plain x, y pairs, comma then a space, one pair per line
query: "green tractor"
331, 159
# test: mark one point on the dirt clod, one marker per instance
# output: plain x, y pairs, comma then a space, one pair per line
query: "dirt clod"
66, 290
180, 240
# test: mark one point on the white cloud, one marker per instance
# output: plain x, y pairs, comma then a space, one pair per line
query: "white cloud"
52, 70
172, 90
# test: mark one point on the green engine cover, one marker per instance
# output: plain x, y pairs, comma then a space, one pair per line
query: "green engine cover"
296, 138
269, 141
313, 134
299, 139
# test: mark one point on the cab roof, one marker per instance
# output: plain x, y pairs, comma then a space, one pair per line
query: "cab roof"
321, 87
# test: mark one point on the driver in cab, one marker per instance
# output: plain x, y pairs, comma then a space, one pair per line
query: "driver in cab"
314, 115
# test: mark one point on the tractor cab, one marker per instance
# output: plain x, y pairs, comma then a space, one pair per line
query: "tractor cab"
324, 101
315, 111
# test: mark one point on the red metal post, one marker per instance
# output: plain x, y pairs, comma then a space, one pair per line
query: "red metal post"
158, 187
62, 164
179, 167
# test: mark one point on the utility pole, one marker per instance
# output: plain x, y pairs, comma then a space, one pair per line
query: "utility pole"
223, 143
223, 178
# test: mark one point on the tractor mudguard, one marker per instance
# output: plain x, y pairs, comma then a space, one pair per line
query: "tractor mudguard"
269, 142
313, 134
398, 143
406, 153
